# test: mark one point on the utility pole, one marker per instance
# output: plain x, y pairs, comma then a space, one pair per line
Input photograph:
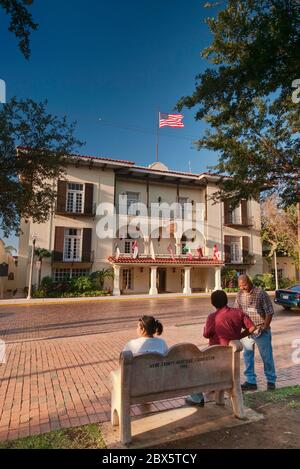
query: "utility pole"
275, 268
31, 266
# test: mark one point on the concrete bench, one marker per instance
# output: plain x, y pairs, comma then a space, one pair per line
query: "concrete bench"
183, 370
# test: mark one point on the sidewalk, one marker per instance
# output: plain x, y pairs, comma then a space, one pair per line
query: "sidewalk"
63, 382
162, 296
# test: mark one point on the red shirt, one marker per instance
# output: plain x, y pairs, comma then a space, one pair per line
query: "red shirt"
226, 324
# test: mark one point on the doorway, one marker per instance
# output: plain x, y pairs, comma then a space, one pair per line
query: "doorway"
161, 280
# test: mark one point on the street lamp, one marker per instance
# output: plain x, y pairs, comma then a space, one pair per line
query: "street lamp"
34, 238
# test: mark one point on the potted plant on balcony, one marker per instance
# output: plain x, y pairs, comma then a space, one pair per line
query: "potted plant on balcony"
248, 259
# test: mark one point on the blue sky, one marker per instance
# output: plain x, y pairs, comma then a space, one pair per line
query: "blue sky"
120, 61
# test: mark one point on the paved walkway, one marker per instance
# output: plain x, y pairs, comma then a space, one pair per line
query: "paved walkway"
57, 375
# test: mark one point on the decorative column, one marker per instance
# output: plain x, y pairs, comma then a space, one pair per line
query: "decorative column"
187, 281
153, 287
218, 279
146, 245
116, 290
178, 247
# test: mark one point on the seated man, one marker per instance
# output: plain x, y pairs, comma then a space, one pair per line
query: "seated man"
222, 326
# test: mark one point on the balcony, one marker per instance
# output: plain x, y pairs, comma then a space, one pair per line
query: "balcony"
61, 210
247, 259
58, 256
234, 220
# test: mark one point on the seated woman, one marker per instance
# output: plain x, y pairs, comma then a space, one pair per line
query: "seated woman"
147, 327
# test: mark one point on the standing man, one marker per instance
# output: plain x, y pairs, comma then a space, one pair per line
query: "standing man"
256, 303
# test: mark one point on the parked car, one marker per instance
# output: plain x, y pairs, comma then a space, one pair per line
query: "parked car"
288, 297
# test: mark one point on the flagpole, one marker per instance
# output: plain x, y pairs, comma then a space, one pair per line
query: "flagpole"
157, 138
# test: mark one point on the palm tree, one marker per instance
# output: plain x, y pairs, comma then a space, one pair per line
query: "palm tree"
101, 275
41, 253
9, 249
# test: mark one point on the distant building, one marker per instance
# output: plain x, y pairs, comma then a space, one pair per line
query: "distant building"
8, 272
285, 267
162, 260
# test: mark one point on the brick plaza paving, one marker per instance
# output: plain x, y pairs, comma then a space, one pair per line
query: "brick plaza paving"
58, 358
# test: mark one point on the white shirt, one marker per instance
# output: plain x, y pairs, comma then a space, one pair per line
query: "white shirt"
146, 344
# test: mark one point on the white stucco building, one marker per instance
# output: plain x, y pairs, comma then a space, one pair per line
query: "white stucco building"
162, 263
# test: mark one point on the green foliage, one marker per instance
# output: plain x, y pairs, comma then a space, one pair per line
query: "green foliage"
229, 278
100, 275
281, 394
246, 98
85, 286
28, 175
84, 437
267, 282
42, 253
81, 284
21, 23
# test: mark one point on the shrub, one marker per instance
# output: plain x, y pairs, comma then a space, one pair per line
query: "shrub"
265, 281
81, 284
229, 277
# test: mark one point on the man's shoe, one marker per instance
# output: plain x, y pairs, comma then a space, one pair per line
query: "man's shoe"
271, 386
248, 386
195, 399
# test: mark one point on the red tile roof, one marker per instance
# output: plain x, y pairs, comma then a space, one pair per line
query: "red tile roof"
90, 157
163, 260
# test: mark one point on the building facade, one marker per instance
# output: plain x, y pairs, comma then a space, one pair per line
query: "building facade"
164, 254
8, 272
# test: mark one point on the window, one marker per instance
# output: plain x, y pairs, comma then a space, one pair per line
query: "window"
279, 273
128, 246
132, 198
241, 271
74, 197
235, 250
80, 272
72, 245
61, 274
127, 279
183, 210
234, 216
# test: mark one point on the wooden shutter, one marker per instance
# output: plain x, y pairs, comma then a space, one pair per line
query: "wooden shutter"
59, 243
61, 196
226, 212
246, 244
244, 206
86, 244
227, 249
88, 198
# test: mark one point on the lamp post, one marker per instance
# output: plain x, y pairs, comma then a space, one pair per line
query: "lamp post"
34, 238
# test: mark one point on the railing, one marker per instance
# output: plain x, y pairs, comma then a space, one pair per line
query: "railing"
58, 256
237, 220
64, 211
248, 259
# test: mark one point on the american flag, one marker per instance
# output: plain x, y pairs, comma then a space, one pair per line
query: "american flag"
170, 120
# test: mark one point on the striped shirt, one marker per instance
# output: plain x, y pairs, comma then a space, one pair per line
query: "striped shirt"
256, 304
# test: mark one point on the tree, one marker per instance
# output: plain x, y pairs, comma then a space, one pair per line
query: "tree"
35, 147
9, 250
21, 23
279, 228
42, 254
101, 275
246, 98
